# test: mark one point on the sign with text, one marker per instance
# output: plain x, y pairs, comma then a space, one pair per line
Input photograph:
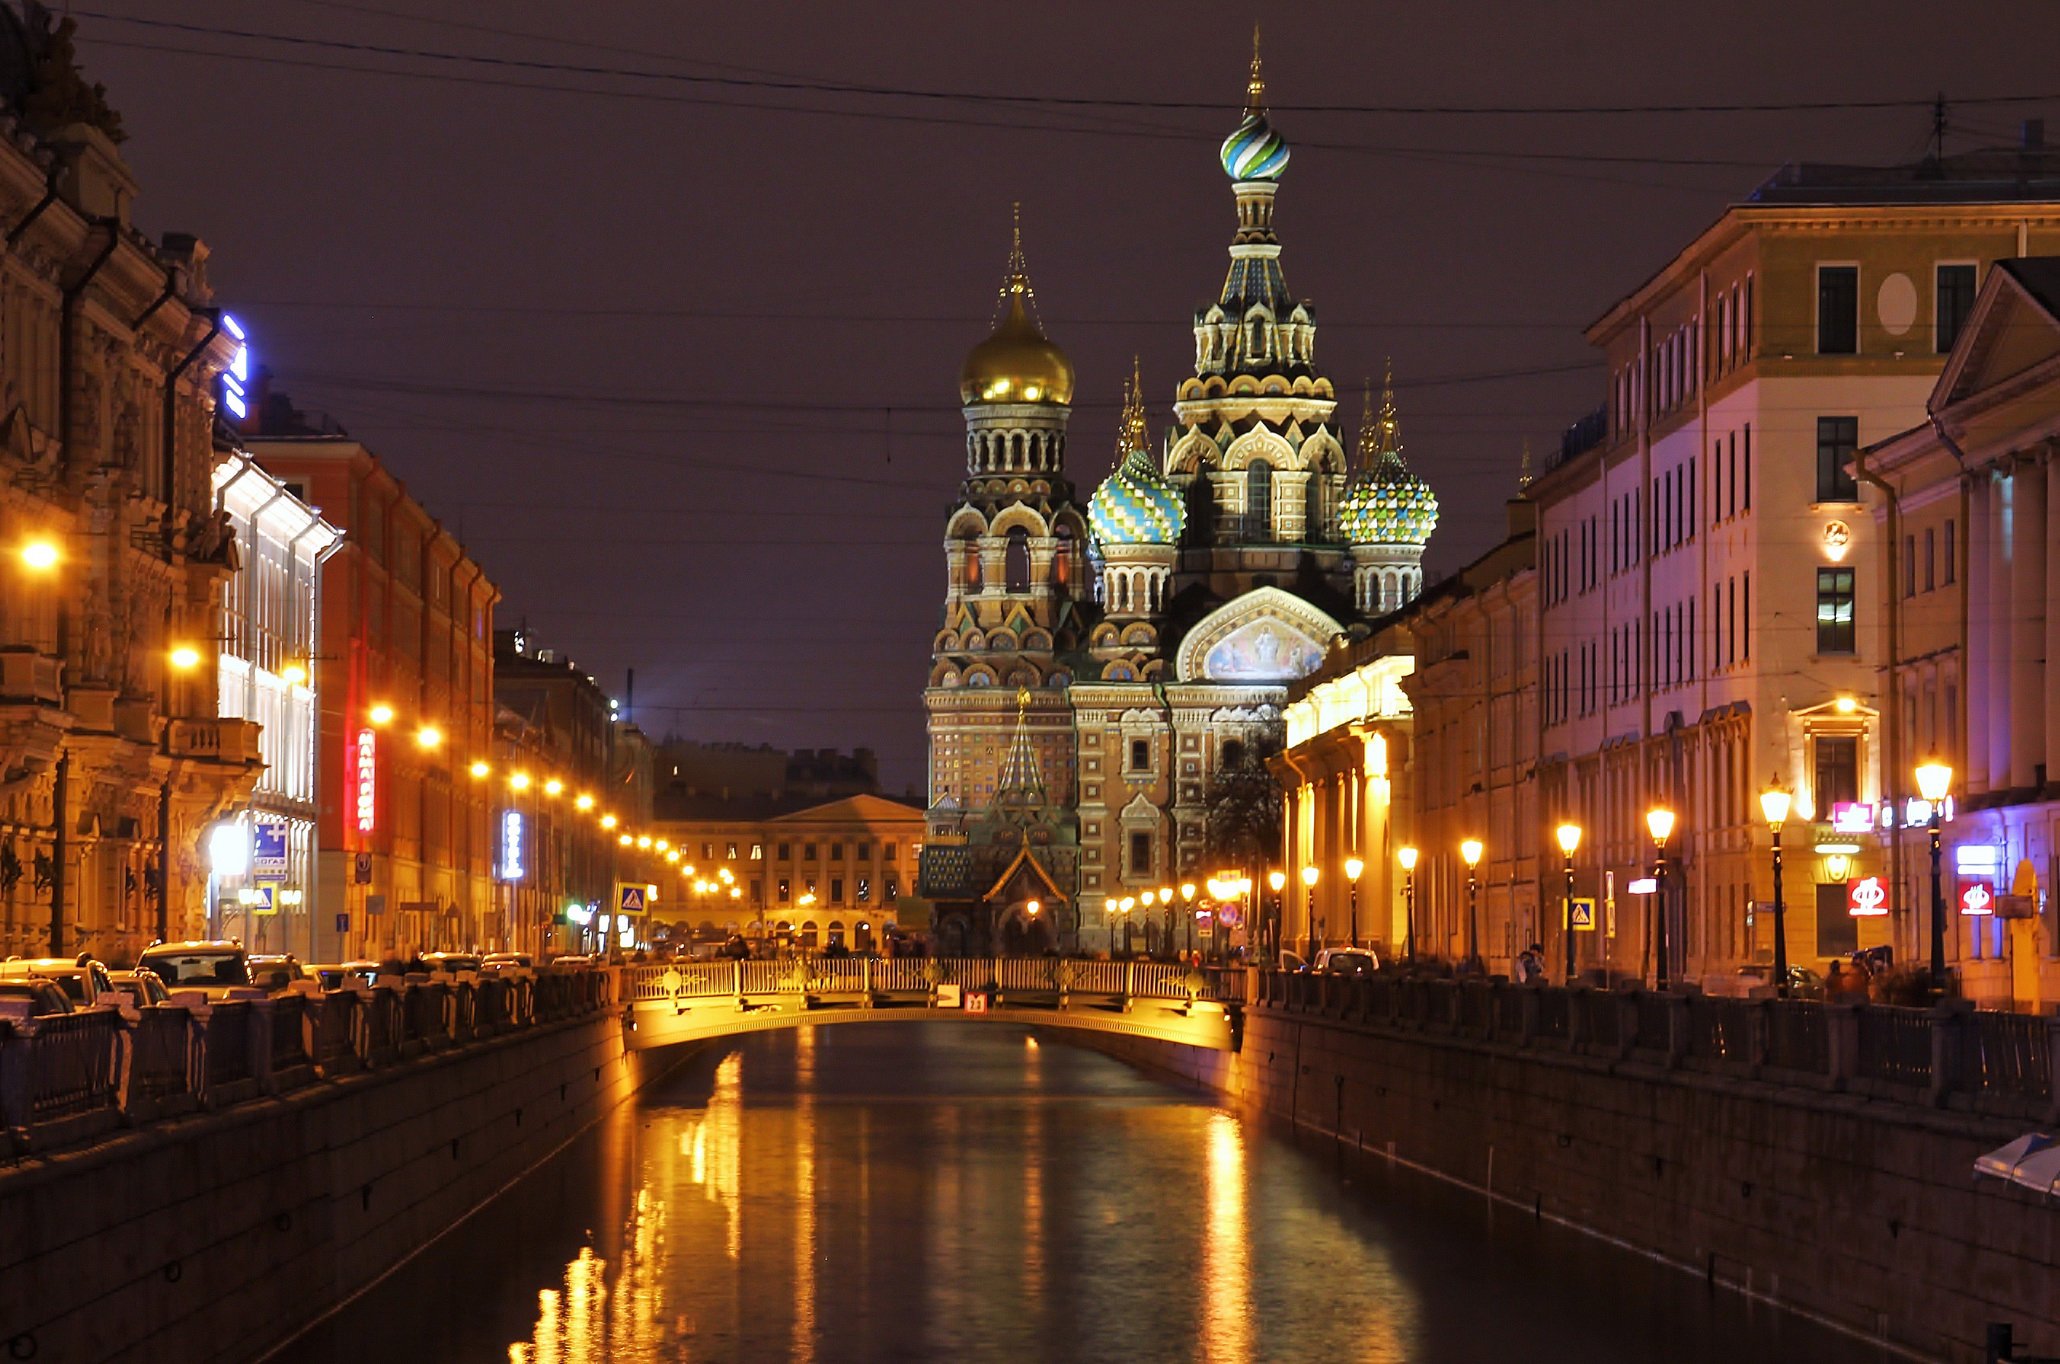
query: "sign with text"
365, 778
268, 849
512, 831
1866, 897
1975, 896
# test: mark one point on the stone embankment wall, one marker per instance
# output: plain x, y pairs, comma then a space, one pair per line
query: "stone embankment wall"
1861, 1211
217, 1236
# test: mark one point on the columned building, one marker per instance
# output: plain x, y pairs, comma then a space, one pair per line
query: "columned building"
1970, 593
113, 760
263, 888
1709, 567
1099, 665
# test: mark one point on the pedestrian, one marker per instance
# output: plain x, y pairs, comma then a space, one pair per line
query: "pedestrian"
1530, 965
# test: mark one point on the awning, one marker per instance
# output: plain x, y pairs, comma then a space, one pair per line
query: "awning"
2032, 1160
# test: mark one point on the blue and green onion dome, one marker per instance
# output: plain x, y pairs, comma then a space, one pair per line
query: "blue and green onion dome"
1391, 506
1255, 151
1136, 505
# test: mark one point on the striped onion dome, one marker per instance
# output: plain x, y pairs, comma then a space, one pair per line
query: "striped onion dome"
1255, 151
1387, 503
1136, 504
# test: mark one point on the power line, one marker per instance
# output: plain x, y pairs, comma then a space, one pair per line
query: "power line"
796, 85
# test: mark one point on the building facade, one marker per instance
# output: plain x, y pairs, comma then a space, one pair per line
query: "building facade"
1099, 664
405, 679
1705, 551
796, 872
263, 886
115, 761
1970, 596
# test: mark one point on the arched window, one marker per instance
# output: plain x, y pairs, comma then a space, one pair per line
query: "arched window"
1016, 562
1062, 557
1258, 498
972, 565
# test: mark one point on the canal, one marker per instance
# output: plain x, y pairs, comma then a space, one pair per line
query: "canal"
922, 1191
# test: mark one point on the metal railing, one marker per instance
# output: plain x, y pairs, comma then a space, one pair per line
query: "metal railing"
75, 1076
2003, 1064
876, 977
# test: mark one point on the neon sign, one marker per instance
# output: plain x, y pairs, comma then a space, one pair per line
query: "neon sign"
1866, 897
1977, 898
511, 845
365, 772
236, 378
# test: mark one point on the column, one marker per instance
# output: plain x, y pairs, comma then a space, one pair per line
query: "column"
2049, 612
2027, 625
1975, 667
1996, 687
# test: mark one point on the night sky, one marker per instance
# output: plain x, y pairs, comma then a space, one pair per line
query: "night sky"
678, 357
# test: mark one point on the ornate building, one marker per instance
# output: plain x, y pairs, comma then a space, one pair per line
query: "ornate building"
1095, 670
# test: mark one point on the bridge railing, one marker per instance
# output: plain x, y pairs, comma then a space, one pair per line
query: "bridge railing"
76, 1076
882, 976
2003, 1064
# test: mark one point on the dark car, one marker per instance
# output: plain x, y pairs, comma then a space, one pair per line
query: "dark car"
44, 998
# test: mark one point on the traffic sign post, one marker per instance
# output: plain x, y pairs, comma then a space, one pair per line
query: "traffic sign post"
1584, 914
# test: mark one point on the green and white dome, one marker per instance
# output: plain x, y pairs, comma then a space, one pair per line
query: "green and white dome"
1386, 503
1136, 504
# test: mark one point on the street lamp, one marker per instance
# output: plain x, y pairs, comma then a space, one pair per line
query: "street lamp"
1353, 866
1309, 937
1569, 836
1408, 859
1934, 779
1187, 904
1470, 851
1774, 802
1276, 879
1659, 822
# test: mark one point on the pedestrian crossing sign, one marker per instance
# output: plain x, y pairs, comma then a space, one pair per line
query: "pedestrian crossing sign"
1584, 915
630, 899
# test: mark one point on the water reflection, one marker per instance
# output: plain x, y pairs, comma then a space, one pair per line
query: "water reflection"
922, 1191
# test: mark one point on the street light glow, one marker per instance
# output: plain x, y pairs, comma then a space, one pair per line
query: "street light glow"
1407, 857
1569, 836
185, 657
1276, 878
519, 781
293, 672
1353, 866
479, 769
1934, 779
583, 801
1659, 821
429, 736
608, 821
380, 713
1470, 852
40, 555
1309, 877
554, 787
1774, 802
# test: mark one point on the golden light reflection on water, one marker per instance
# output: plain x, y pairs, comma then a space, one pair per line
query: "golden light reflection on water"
1226, 1265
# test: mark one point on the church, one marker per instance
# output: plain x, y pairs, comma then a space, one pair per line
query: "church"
1099, 660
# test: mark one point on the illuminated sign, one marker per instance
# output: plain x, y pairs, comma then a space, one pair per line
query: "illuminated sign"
236, 378
1852, 817
365, 773
1644, 885
511, 845
1866, 897
1838, 538
1976, 897
268, 849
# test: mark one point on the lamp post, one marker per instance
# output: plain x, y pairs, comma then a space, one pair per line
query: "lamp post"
1774, 802
1408, 859
1934, 779
1353, 867
1569, 836
1276, 879
1470, 853
1659, 822
1309, 936
1123, 907
1187, 901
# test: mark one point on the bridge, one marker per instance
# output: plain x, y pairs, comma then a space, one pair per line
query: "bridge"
698, 1001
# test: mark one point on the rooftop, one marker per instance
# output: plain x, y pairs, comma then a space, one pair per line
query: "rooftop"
2029, 170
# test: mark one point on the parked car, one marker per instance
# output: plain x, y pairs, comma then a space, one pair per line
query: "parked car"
82, 978
142, 988
32, 997
1347, 961
1803, 983
218, 969
507, 961
276, 972
452, 962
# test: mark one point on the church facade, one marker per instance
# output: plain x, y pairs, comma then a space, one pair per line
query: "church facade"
1100, 659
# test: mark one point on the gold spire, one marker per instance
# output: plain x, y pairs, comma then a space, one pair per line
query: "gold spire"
1132, 431
1381, 436
1369, 447
1255, 88
1523, 470
1015, 283
1017, 363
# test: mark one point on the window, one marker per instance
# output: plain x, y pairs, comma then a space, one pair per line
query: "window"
1258, 498
1838, 310
1140, 755
808, 852
1834, 610
865, 890
1955, 293
1909, 565
707, 852
1930, 558
1140, 853
836, 890
893, 888
1837, 771
758, 852
730, 851
862, 851
785, 851
1838, 443
1745, 472
757, 891
786, 890
1951, 559
887, 851
1745, 617
837, 852
1016, 561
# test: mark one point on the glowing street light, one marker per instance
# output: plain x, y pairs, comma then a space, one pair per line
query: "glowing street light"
1407, 857
1309, 876
1470, 851
554, 787
380, 713
1934, 780
1774, 803
1659, 822
519, 781
583, 801
40, 556
1569, 836
1353, 868
294, 672
480, 769
185, 657
429, 736
608, 821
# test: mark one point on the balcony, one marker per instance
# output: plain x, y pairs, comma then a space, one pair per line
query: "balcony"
29, 678
219, 741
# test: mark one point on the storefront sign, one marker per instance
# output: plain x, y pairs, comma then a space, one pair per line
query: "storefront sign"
365, 775
512, 830
1976, 897
268, 849
1866, 897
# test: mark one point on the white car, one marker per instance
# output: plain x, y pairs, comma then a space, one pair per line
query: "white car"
219, 970
1347, 961
82, 978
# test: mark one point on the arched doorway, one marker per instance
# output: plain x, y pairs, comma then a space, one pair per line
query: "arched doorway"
1028, 934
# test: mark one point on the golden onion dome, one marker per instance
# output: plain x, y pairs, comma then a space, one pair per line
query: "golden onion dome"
1016, 364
